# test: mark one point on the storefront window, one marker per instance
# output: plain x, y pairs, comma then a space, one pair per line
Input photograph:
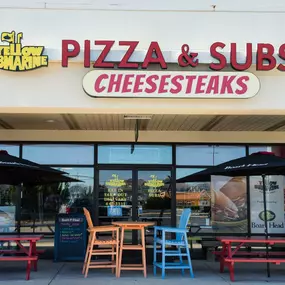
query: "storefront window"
195, 195
220, 203
115, 195
11, 149
278, 150
140, 154
207, 155
7, 208
60, 154
40, 204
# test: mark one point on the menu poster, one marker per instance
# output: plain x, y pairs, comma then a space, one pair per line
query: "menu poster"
229, 204
274, 204
70, 237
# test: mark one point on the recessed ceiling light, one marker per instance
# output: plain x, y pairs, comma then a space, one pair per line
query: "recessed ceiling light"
50, 121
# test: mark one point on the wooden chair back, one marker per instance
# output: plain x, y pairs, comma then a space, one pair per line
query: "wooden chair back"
88, 218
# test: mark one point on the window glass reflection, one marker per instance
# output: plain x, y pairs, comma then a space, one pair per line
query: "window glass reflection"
59, 154
154, 199
220, 204
115, 195
141, 154
195, 195
225, 153
11, 149
194, 155
40, 204
207, 155
278, 150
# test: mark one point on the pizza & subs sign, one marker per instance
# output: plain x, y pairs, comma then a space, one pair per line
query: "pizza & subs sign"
111, 79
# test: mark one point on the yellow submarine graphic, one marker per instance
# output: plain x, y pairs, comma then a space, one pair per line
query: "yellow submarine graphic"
15, 57
154, 182
116, 182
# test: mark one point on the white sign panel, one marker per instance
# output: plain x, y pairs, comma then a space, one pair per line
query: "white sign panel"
170, 84
275, 204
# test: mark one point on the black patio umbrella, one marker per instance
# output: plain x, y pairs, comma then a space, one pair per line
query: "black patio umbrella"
14, 170
256, 164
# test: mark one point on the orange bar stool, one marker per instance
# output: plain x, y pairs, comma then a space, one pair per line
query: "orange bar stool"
101, 246
140, 226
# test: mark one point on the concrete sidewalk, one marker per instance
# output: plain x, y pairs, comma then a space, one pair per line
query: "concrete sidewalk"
69, 273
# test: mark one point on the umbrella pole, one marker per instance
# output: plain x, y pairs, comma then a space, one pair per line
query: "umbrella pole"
265, 221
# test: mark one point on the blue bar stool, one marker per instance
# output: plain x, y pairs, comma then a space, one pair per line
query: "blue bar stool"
180, 242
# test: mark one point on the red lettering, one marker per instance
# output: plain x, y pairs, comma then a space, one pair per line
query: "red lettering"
221, 58
268, 56
190, 80
248, 58
138, 83
213, 85
163, 84
201, 84
175, 81
115, 82
100, 60
241, 83
281, 54
226, 84
151, 82
125, 60
154, 48
127, 82
98, 81
86, 53
66, 53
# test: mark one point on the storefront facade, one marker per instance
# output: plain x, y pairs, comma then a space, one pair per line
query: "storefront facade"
130, 98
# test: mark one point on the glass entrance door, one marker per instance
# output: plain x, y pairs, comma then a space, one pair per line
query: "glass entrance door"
135, 195
154, 199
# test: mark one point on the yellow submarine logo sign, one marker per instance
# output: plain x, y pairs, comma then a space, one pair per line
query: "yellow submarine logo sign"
116, 182
15, 57
154, 182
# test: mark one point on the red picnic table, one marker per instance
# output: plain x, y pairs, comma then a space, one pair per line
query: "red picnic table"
229, 254
29, 254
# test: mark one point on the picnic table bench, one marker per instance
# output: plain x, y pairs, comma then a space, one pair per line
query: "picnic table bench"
29, 254
229, 254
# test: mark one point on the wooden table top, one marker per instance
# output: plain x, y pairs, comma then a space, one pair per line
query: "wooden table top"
269, 240
130, 224
21, 237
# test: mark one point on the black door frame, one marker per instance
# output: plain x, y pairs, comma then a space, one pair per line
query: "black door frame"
135, 169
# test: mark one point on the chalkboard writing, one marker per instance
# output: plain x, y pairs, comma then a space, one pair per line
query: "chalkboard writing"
70, 237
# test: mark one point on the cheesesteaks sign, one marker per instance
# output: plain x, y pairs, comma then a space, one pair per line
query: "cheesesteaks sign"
150, 84
154, 84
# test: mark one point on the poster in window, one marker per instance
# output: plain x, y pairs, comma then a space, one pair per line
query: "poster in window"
229, 204
274, 204
7, 218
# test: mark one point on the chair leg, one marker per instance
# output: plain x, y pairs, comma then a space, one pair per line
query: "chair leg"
143, 251
90, 254
113, 251
188, 256
163, 256
117, 252
181, 259
121, 251
86, 254
154, 254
